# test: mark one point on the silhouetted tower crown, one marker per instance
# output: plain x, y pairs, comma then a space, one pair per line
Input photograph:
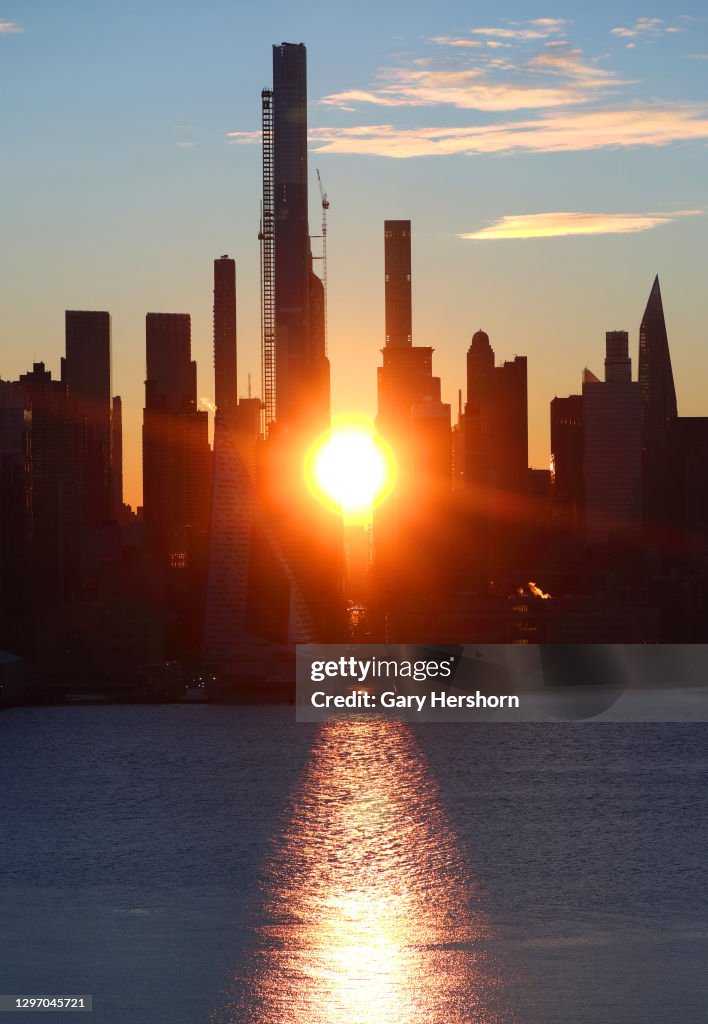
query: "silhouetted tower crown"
656, 379
480, 367
397, 257
618, 365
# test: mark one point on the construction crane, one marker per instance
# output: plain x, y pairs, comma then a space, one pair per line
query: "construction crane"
325, 207
266, 236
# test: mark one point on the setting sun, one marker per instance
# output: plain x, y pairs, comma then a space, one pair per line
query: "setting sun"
351, 469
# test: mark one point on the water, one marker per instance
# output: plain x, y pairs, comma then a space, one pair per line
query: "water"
212, 865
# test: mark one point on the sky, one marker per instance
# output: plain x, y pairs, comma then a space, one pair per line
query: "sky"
552, 161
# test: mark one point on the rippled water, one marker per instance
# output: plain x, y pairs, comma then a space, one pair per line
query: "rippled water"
201, 864
372, 915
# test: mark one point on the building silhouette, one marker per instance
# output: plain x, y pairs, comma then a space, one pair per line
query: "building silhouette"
295, 364
86, 371
225, 350
568, 490
409, 530
15, 517
57, 446
296, 548
397, 254
612, 457
176, 454
496, 422
117, 454
658, 402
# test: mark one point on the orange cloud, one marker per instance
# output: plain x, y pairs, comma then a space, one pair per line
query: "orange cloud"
474, 79
557, 132
554, 225
9, 26
466, 90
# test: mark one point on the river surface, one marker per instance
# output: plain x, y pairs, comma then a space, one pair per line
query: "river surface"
224, 865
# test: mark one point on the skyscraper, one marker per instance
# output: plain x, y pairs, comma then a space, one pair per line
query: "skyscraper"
117, 453
15, 516
57, 441
176, 456
294, 361
409, 528
658, 404
496, 422
612, 445
397, 257
225, 358
292, 239
86, 371
656, 379
567, 455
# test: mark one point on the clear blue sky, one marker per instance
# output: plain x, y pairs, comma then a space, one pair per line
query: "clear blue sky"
122, 179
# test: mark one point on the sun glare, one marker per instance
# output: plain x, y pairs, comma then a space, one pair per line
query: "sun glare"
350, 468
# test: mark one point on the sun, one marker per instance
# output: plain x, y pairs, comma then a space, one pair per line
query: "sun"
351, 469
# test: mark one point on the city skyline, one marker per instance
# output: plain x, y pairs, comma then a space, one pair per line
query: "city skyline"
551, 299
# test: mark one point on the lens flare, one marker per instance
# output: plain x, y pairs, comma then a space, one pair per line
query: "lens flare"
351, 469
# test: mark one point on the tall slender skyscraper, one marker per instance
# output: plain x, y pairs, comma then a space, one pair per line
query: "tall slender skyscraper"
410, 526
86, 371
397, 257
225, 359
176, 456
656, 379
292, 241
658, 404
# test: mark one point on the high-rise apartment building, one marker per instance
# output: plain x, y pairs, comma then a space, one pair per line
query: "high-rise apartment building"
567, 454
15, 516
86, 371
496, 422
225, 358
292, 233
57, 444
409, 528
397, 260
176, 455
295, 364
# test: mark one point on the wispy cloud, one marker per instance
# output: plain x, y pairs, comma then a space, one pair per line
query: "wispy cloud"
466, 90
571, 80
6, 27
562, 131
513, 66
564, 223
544, 94
645, 27
457, 41
539, 28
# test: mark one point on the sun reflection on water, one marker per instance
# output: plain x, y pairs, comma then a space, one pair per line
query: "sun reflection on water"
371, 912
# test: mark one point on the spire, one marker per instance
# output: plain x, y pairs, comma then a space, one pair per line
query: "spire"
656, 379
654, 304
